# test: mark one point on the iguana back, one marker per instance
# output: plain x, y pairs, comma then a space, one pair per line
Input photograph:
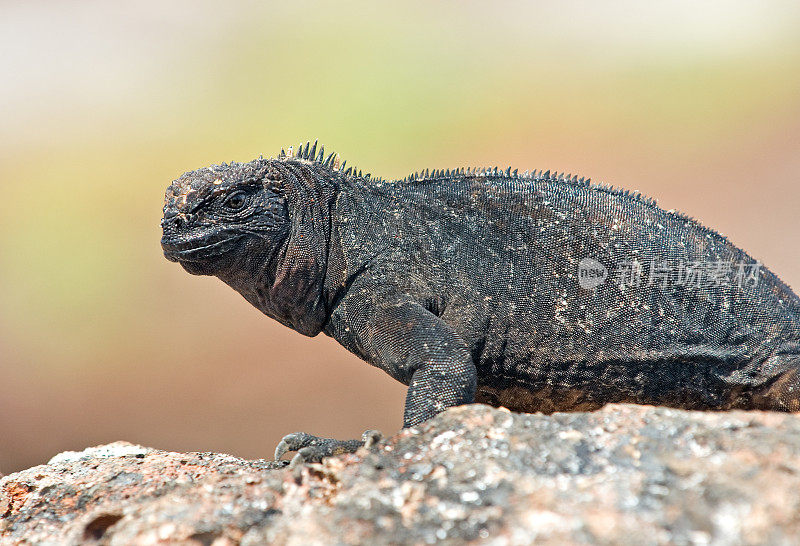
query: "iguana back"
684, 317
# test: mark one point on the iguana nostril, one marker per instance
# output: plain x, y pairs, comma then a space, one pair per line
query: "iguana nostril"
173, 221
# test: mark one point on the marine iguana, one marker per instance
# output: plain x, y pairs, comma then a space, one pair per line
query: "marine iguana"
535, 291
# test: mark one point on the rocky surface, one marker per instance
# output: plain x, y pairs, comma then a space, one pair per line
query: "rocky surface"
621, 475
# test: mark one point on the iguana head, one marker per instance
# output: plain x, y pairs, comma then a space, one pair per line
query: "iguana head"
213, 216
261, 227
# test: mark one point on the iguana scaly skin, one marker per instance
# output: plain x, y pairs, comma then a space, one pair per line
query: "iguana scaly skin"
467, 285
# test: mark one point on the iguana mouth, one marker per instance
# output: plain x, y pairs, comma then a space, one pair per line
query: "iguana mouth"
196, 250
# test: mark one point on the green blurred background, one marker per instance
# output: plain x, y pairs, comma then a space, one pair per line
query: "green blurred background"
102, 104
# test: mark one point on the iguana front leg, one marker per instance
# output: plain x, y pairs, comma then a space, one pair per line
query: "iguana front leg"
412, 345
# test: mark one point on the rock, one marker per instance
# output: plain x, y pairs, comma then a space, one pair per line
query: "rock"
621, 475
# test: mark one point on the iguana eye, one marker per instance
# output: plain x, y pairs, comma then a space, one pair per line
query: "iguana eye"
236, 201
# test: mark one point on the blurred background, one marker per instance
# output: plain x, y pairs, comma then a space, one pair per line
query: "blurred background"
102, 104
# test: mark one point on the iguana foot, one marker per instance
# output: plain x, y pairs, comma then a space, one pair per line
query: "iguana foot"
312, 449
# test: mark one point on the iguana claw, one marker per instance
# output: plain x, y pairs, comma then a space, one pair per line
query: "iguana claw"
312, 448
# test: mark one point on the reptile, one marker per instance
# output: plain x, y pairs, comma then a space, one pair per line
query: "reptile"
539, 292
